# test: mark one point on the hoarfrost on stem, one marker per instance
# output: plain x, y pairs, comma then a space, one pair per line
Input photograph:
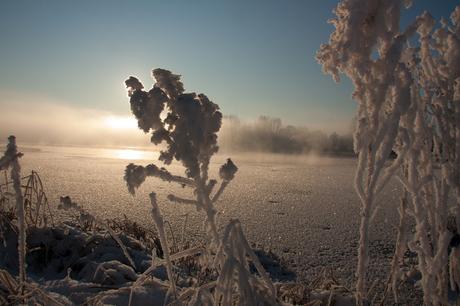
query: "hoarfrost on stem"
158, 218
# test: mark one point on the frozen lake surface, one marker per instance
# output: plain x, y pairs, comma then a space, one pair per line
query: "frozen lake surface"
304, 209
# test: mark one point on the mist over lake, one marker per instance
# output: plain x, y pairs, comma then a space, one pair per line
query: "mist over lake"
304, 208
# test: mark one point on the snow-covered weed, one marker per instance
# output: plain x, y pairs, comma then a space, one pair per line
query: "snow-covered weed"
190, 131
409, 103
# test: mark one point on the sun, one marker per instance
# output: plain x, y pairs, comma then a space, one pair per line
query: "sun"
121, 123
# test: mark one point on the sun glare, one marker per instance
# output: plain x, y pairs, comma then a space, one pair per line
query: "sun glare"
129, 154
121, 123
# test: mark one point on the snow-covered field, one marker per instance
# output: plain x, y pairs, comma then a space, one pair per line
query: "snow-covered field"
304, 209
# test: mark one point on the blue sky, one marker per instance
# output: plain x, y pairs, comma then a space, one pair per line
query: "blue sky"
252, 58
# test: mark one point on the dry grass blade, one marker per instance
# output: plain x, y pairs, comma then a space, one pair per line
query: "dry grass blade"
35, 199
13, 287
132, 228
295, 293
6, 218
299, 293
9, 282
35, 291
37, 209
104, 271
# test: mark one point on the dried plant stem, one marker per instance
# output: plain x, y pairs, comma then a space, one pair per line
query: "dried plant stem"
22, 220
11, 159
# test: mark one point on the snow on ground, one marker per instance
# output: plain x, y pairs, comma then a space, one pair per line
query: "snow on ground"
305, 211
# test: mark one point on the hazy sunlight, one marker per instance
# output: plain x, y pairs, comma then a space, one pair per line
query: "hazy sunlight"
121, 123
129, 154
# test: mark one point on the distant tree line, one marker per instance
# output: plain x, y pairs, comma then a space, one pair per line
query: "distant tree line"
268, 134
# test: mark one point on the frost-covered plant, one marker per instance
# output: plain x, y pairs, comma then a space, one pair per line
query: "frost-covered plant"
190, 131
408, 102
11, 159
439, 76
235, 284
382, 87
433, 133
235, 280
438, 142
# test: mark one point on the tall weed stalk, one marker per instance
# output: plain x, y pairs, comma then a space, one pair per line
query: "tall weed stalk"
190, 131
